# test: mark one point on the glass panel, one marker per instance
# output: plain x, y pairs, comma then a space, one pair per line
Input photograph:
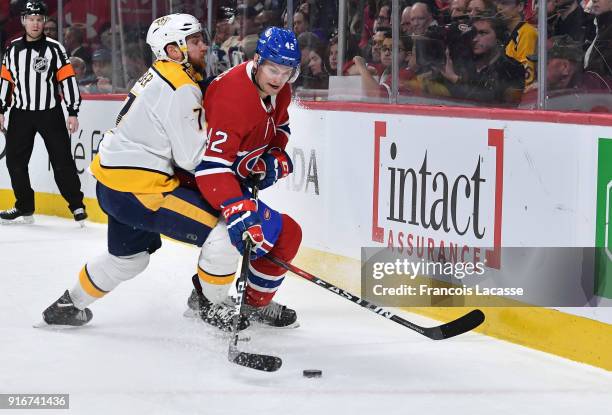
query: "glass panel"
366, 70
579, 59
451, 52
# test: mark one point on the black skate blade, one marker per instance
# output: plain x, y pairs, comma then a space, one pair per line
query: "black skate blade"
54, 327
259, 325
265, 363
19, 221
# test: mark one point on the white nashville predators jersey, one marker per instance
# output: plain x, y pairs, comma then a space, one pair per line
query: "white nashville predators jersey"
161, 125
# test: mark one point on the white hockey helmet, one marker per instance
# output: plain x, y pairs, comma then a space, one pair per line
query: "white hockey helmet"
173, 28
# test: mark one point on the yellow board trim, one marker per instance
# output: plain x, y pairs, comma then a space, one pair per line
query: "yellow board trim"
576, 338
54, 205
88, 285
215, 279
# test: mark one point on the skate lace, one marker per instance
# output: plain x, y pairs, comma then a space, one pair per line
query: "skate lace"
223, 313
81, 315
272, 310
11, 211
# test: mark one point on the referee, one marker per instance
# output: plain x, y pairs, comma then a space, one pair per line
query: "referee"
35, 71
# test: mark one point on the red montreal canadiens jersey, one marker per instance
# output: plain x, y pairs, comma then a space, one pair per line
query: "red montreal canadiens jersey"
240, 128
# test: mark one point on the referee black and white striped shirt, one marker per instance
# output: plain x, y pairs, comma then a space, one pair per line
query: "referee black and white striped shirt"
34, 73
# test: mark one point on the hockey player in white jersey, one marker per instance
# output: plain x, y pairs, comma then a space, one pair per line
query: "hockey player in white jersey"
159, 130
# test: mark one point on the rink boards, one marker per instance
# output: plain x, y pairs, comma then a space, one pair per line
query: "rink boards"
541, 180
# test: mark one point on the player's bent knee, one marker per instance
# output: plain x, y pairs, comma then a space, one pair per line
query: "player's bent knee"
133, 264
218, 255
288, 243
217, 264
108, 271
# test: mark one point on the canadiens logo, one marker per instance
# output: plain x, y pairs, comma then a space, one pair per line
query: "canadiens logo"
40, 64
246, 161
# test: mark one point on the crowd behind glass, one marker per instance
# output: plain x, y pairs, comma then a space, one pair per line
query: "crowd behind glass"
448, 52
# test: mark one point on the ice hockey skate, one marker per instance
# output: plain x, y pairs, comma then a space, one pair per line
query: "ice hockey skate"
16, 216
217, 315
63, 314
273, 315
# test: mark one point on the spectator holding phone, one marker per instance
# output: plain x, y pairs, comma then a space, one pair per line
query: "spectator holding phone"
380, 86
496, 78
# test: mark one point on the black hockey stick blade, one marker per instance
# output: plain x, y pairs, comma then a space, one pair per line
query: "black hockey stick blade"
463, 324
263, 362
453, 328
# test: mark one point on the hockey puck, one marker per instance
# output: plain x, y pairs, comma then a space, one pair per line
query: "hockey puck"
312, 373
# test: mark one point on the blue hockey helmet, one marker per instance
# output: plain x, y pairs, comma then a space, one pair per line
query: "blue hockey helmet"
281, 47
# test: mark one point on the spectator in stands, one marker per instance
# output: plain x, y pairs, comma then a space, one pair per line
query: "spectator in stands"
523, 39
441, 11
263, 20
374, 55
369, 14
103, 71
332, 56
300, 23
565, 74
83, 77
106, 37
569, 19
598, 57
219, 60
459, 35
50, 28
316, 75
496, 79
458, 9
481, 8
312, 9
382, 86
383, 18
307, 41
79, 67
245, 17
421, 18
223, 25
351, 50
74, 41
405, 25
137, 61
565, 69
249, 44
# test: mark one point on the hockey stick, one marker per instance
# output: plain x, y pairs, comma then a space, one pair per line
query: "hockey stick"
461, 325
263, 362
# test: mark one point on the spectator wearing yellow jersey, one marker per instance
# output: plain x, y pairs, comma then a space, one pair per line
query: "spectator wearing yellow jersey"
523, 37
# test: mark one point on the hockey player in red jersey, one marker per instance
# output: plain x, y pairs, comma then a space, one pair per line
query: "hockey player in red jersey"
248, 129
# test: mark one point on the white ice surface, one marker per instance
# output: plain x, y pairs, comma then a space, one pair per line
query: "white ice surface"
140, 356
